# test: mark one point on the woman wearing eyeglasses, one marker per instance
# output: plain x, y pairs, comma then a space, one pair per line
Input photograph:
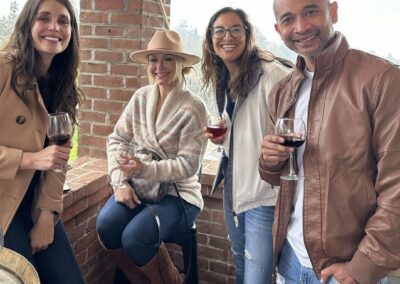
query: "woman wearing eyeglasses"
241, 74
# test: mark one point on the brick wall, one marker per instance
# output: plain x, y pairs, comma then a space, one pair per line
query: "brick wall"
110, 31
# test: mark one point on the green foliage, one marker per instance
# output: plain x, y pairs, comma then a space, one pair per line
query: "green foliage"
7, 23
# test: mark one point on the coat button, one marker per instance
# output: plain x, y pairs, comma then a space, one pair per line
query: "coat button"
20, 119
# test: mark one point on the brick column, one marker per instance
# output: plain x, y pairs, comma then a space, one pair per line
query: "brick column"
110, 31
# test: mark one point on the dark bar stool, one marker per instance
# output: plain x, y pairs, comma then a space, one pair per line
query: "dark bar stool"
189, 252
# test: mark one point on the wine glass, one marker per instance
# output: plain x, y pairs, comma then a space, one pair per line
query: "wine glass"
217, 126
124, 151
59, 131
293, 130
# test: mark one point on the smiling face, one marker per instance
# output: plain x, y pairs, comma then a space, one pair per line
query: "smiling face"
229, 48
306, 26
51, 30
161, 70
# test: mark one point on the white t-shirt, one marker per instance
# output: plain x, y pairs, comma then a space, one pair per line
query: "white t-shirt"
295, 229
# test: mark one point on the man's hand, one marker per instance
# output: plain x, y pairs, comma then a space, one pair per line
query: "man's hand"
42, 233
338, 271
126, 195
273, 152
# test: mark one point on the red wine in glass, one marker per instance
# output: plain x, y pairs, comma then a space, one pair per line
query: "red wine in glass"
217, 130
60, 139
292, 141
59, 131
293, 130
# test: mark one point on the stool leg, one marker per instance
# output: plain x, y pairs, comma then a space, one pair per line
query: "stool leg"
189, 250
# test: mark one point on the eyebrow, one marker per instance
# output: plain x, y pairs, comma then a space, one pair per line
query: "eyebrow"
48, 13
311, 6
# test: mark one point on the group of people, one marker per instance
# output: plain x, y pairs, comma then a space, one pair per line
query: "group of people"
338, 223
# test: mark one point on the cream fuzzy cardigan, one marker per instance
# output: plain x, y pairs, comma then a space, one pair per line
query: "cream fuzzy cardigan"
176, 136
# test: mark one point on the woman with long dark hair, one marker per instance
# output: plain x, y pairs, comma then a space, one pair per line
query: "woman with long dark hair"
242, 74
38, 72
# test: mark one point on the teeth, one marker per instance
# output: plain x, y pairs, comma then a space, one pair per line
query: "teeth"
228, 46
51, 38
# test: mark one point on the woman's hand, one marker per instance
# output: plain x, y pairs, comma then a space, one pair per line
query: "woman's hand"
218, 140
50, 158
126, 195
273, 152
132, 167
42, 233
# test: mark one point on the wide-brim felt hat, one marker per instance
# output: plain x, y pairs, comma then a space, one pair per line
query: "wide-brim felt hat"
165, 42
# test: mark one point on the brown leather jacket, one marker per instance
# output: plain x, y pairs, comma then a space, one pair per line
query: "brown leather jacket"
351, 162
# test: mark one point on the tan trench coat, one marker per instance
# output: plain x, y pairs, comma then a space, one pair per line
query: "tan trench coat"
23, 129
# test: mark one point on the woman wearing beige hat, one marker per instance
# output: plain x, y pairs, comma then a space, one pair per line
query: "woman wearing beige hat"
167, 119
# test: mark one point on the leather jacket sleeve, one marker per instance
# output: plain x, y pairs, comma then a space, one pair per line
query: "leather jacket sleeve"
379, 251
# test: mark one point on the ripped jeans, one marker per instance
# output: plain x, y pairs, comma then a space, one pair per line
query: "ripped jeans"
251, 241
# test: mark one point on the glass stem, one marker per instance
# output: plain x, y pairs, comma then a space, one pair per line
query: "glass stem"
291, 165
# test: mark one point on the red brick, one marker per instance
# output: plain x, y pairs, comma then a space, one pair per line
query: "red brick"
87, 239
109, 56
76, 233
102, 130
126, 19
124, 69
85, 55
75, 209
121, 94
133, 83
95, 93
93, 67
108, 81
127, 44
100, 195
151, 8
91, 140
85, 30
90, 42
94, 18
109, 31
114, 118
109, 106
91, 116
109, 5
134, 5
85, 79
85, 4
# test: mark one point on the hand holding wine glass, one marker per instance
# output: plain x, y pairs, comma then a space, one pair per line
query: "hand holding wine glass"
60, 130
293, 130
123, 154
217, 127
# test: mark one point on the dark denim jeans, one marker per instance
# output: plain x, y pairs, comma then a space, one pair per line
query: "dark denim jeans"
56, 264
136, 230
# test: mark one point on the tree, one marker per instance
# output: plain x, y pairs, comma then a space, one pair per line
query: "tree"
7, 23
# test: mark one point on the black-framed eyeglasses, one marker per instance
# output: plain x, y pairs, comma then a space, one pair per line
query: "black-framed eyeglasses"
234, 31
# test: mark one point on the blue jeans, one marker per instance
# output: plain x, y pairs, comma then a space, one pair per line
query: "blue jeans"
135, 230
290, 270
56, 264
251, 241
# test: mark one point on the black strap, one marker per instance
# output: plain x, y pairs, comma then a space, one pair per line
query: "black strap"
154, 213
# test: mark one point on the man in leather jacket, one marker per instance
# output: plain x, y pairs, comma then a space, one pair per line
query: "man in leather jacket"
340, 221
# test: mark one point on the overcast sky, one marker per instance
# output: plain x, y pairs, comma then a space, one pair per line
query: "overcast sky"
370, 25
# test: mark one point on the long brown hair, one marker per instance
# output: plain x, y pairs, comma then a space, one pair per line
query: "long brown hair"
63, 71
214, 70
